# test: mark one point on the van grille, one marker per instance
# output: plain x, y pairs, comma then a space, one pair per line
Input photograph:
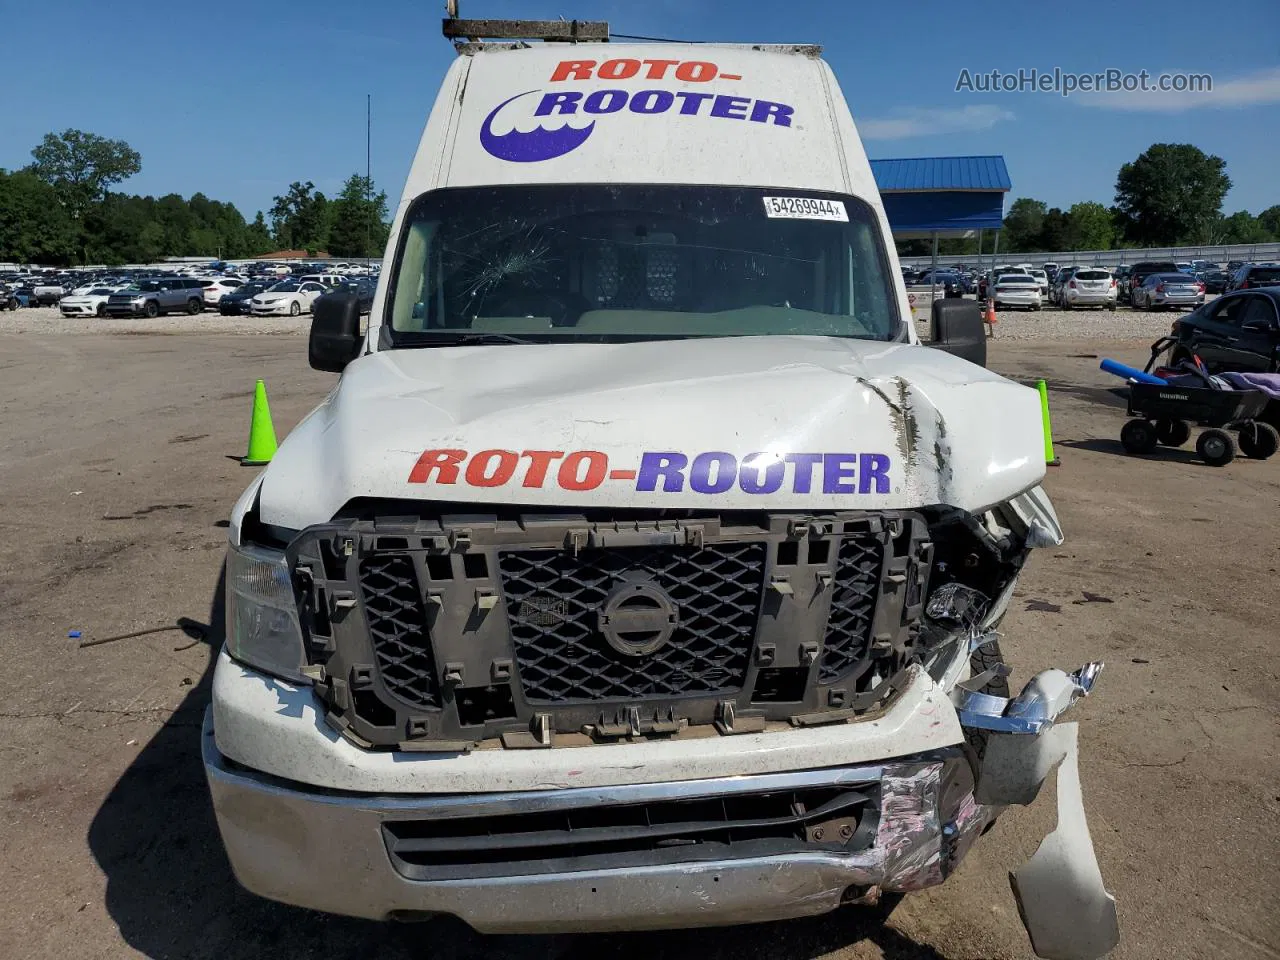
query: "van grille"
552, 601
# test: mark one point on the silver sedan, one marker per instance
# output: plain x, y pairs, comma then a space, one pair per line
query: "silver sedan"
1162, 290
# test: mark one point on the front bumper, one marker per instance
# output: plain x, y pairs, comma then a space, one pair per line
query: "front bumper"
329, 851
271, 310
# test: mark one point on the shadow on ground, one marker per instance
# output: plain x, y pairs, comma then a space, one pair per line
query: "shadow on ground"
171, 891
1102, 445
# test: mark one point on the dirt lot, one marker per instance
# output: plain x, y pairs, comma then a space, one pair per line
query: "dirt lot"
115, 483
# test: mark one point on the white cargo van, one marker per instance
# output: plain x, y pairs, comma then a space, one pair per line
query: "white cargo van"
642, 569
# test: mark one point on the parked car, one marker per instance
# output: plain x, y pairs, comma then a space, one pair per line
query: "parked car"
326, 279
236, 302
156, 296
1050, 268
1174, 289
1139, 272
215, 289
1254, 275
1215, 281
290, 297
1017, 290
1237, 331
9, 299
49, 292
1121, 276
1042, 278
364, 290
1059, 281
1089, 287
25, 294
91, 303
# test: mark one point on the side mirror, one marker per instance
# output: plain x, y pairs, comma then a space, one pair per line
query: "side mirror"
335, 332
957, 328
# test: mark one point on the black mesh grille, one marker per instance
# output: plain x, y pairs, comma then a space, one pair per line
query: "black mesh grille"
398, 629
553, 597
853, 606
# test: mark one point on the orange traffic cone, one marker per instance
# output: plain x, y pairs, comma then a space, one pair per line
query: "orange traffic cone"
989, 318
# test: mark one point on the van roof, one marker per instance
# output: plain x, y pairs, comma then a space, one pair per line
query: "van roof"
641, 113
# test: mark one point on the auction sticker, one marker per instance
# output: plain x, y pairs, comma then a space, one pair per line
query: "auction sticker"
804, 208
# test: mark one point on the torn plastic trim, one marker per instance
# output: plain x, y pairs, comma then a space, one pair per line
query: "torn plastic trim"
1045, 697
1032, 517
1066, 909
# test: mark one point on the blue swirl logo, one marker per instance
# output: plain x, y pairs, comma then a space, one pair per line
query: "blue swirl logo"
538, 144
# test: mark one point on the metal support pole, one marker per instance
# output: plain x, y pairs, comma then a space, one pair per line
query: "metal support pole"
933, 272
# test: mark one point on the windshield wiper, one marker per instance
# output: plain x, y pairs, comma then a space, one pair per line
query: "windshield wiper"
475, 339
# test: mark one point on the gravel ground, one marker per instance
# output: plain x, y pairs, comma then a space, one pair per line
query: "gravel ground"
1124, 324
47, 320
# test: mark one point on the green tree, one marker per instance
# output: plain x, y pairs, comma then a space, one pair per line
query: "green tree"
357, 224
258, 237
1171, 194
81, 166
1055, 232
1241, 227
34, 227
1270, 220
1023, 225
300, 219
1089, 227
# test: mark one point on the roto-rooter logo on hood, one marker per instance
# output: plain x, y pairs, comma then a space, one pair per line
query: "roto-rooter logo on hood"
659, 471
542, 143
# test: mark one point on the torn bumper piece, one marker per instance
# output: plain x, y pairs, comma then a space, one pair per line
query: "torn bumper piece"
1068, 913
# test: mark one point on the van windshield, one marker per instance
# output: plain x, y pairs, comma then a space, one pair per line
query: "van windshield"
609, 263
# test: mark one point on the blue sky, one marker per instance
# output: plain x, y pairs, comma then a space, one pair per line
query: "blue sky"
236, 99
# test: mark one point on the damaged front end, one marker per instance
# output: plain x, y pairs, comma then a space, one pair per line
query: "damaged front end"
770, 713
1018, 740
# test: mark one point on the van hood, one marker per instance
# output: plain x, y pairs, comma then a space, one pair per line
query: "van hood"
779, 423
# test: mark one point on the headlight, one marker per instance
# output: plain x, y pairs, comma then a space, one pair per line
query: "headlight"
262, 617
139, 299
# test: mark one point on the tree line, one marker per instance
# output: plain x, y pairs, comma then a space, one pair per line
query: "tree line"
60, 210
1170, 196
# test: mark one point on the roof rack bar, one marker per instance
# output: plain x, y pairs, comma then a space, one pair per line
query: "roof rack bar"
551, 31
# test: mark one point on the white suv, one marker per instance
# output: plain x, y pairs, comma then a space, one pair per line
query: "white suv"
1089, 287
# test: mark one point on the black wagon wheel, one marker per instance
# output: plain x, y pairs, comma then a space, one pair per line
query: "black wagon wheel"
1216, 447
1138, 436
1172, 433
1259, 440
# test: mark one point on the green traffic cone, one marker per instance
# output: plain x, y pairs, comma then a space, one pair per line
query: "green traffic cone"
1049, 458
262, 435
